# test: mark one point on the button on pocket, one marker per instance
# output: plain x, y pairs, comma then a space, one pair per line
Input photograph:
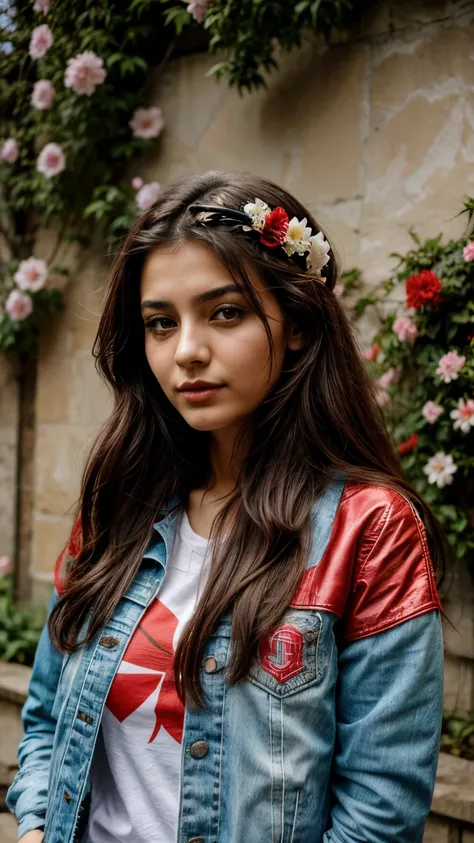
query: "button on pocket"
292, 656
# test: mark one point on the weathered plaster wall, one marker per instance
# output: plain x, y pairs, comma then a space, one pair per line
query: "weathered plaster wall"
8, 458
375, 135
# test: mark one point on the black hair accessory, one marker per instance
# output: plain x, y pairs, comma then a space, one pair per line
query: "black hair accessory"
224, 214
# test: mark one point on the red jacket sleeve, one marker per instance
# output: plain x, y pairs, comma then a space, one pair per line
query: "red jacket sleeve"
376, 571
394, 578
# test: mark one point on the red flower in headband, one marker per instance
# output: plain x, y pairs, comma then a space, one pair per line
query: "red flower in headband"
275, 228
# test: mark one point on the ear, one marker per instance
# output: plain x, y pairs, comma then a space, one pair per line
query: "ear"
295, 340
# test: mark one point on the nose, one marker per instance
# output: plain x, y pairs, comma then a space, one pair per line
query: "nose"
192, 347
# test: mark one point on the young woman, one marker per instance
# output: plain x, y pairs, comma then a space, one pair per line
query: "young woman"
244, 641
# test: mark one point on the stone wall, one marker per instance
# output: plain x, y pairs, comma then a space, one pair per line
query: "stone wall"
374, 135
9, 408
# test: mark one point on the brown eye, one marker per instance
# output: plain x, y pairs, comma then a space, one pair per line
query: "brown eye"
154, 323
236, 312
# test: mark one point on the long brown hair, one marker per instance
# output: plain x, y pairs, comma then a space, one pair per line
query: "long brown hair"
320, 417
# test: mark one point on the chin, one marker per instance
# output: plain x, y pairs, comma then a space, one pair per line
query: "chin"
206, 421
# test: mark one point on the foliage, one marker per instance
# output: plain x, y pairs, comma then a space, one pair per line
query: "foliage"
457, 737
92, 130
20, 629
429, 411
247, 31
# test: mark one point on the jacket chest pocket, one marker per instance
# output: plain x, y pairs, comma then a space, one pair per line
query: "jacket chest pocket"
293, 656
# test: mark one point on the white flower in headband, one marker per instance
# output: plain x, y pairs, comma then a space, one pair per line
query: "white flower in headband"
297, 238
319, 249
258, 211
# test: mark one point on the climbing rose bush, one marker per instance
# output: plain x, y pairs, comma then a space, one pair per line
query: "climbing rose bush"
422, 362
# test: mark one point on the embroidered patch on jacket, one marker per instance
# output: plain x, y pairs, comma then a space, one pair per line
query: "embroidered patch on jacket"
281, 653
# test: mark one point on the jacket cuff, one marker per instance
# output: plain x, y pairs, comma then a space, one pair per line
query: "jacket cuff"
30, 822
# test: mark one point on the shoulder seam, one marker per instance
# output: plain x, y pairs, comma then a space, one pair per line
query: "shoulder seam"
375, 531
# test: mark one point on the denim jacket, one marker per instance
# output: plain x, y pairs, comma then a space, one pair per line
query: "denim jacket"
332, 738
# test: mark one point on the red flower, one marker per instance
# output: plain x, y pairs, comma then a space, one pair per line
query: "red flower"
405, 447
422, 289
275, 229
373, 352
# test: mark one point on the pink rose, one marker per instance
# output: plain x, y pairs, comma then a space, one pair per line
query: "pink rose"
9, 151
43, 95
51, 160
41, 41
405, 329
197, 8
382, 397
6, 566
450, 365
147, 195
339, 289
84, 73
147, 122
431, 411
41, 6
388, 378
468, 252
31, 274
137, 183
18, 306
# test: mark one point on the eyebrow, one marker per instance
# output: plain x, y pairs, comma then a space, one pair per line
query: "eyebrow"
203, 297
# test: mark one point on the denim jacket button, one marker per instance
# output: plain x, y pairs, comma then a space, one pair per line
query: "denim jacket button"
310, 636
199, 749
210, 665
109, 642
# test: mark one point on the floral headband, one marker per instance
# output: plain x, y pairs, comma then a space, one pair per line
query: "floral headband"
275, 230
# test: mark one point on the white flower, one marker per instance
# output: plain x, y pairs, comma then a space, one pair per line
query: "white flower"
18, 306
318, 256
9, 150
464, 415
258, 211
51, 160
147, 195
31, 274
43, 94
440, 469
297, 237
147, 122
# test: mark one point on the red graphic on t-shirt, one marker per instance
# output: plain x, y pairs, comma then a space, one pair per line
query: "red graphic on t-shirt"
151, 646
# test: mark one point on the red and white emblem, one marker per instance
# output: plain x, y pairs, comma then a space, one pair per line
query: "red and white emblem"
281, 653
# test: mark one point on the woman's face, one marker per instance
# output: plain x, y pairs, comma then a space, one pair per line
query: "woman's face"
198, 326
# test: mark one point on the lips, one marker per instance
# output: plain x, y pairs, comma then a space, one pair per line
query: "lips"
199, 387
203, 393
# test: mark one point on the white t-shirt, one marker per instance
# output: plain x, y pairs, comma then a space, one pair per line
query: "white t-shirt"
136, 766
